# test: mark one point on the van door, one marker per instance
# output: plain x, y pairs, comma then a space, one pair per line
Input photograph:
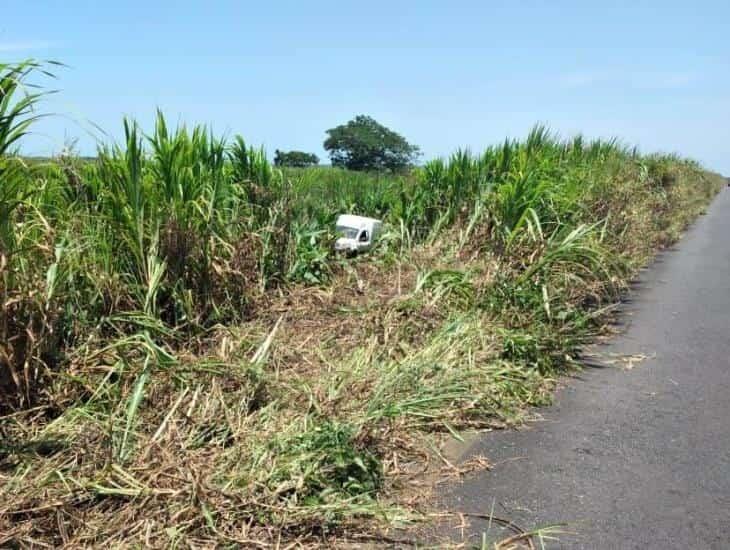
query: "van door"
363, 240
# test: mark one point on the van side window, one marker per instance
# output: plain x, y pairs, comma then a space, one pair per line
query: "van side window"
364, 237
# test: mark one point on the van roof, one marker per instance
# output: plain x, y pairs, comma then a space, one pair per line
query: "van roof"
350, 220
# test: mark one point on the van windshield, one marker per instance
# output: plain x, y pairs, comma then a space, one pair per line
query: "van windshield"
347, 232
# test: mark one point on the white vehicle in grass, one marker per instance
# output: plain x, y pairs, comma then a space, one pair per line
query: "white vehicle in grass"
356, 233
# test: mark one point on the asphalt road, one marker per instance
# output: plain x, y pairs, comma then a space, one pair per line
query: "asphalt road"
635, 458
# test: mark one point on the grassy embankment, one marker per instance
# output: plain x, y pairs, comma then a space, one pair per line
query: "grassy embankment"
183, 361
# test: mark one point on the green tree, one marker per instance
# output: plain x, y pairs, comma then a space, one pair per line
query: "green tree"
365, 144
298, 159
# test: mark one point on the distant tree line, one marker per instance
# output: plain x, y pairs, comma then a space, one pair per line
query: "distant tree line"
298, 159
360, 144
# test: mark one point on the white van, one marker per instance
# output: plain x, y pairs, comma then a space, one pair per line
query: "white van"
356, 233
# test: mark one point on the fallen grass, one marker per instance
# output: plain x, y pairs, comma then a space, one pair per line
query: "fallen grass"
185, 363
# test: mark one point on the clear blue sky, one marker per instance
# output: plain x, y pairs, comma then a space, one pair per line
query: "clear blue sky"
444, 74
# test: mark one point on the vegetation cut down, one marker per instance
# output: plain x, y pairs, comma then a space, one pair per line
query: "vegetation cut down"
184, 361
